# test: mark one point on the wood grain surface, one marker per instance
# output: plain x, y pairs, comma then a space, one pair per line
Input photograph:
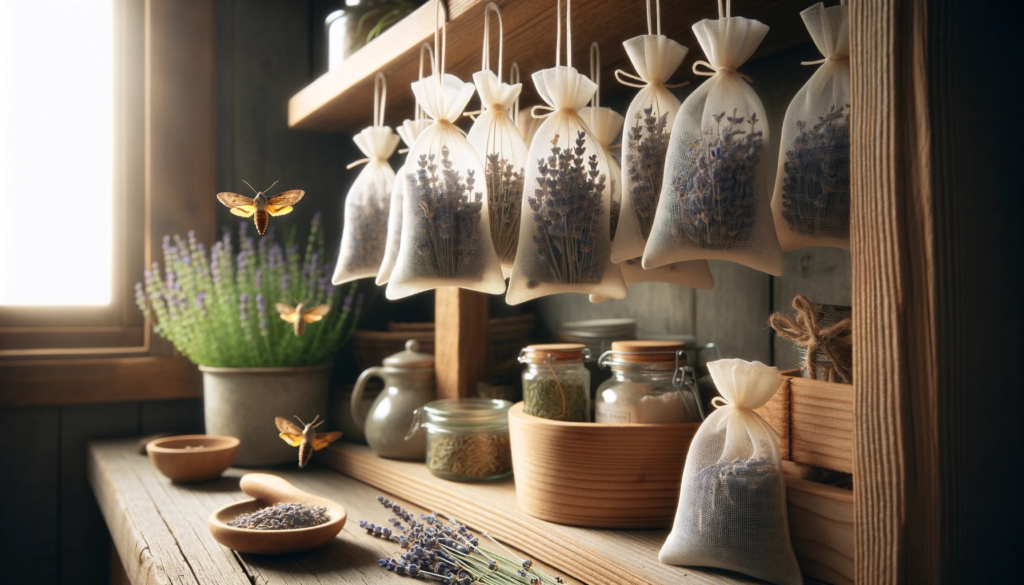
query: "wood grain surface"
160, 529
460, 341
598, 557
821, 529
598, 475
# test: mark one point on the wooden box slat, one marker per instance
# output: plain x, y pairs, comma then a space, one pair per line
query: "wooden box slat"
815, 420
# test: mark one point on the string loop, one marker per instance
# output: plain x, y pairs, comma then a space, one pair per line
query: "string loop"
492, 6
727, 13
441, 13
657, 7
568, 35
712, 71
513, 78
535, 109
379, 98
640, 82
425, 49
595, 73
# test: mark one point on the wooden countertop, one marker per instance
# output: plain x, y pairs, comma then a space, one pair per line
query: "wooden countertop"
159, 528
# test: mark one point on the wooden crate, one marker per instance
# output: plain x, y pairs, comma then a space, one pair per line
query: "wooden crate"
815, 421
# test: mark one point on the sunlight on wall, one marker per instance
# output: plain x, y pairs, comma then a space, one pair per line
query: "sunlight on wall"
56, 152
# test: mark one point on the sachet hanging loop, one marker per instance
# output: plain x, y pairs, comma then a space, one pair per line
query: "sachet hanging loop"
380, 95
440, 13
513, 78
491, 6
595, 73
568, 35
425, 49
657, 9
711, 70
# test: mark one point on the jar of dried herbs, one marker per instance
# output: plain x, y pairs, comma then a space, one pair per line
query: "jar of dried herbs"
556, 384
467, 439
650, 383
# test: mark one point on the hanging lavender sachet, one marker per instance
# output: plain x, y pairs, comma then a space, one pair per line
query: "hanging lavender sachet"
410, 130
650, 118
715, 199
446, 240
564, 240
501, 148
369, 200
811, 204
606, 124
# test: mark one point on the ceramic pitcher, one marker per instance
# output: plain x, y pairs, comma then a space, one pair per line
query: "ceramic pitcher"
408, 384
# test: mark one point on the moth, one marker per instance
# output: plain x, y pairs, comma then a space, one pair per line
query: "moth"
300, 315
306, 438
260, 206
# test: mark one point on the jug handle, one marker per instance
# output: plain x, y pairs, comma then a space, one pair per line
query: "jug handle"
357, 395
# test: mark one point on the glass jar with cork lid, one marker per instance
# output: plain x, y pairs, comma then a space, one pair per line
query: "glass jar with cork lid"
556, 383
651, 383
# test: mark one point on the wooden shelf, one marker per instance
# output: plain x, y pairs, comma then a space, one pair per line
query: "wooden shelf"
821, 521
341, 100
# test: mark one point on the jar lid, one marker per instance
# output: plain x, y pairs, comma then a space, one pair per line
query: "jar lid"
553, 352
647, 351
410, 358
614, 328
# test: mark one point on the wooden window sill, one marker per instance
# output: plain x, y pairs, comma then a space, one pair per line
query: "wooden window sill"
92, 380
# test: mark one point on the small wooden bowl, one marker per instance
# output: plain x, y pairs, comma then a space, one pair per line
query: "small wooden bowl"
267, 491
598, 475
187, 458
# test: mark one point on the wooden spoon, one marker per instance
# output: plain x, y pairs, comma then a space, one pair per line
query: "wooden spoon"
267, 491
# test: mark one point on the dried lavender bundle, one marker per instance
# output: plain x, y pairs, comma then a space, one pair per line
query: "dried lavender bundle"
449, 554
716, 205
567, 208
645, 164
369, 226
504, 204
367, 206
282, 517
446, 237
811, 203
449, 245
715, 200
816, 188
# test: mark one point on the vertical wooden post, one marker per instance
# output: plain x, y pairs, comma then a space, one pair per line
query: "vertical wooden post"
460, 340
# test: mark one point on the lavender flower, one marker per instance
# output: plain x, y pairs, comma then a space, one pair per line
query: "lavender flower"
261, 309
259, 277
243, 309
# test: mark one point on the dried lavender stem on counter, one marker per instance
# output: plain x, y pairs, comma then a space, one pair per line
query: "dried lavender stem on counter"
716, 190
567, 209
282, 517
451, 245
480, 456
504, 205
816, 188
646, 165
369, 228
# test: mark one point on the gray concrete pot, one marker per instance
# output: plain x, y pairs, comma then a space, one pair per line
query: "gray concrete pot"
242, 403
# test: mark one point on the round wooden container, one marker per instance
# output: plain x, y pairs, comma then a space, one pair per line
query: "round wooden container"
598, 475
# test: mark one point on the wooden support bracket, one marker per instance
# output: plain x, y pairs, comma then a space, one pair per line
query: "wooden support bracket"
460, 340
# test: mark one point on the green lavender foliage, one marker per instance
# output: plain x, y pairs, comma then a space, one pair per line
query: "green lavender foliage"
816, 187
504, 205
567, 209
646, 165
218, 308
450, 243
716, 190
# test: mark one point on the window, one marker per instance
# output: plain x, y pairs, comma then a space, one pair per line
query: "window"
56, 152
72, 225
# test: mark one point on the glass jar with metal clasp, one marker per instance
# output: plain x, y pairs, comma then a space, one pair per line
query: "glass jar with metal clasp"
556, 383
651, 383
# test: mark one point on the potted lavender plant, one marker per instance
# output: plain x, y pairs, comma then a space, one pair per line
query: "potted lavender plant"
218, 310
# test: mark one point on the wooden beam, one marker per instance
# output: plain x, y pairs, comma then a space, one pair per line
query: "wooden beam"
90, 380
460, 340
